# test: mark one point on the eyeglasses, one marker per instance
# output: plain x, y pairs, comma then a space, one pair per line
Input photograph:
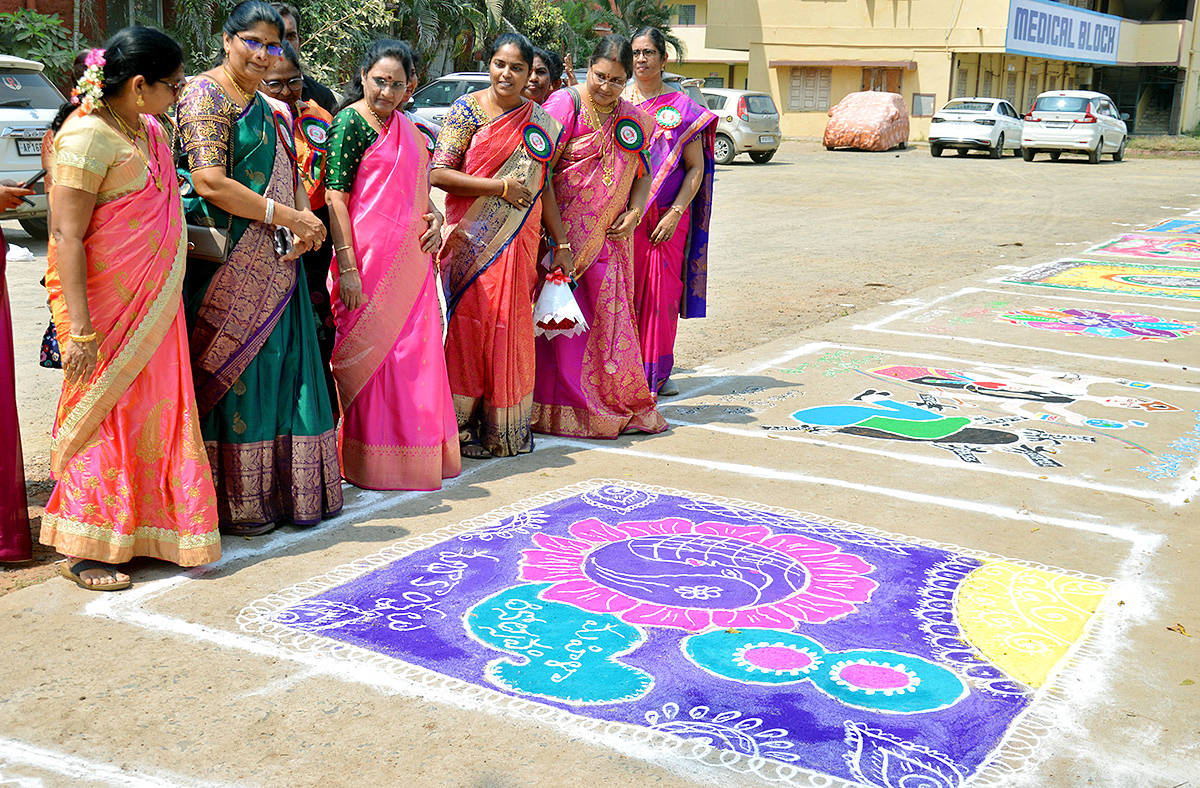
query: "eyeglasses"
277, 85
384, 84
619, 84
174, 86
646, 53
274, 50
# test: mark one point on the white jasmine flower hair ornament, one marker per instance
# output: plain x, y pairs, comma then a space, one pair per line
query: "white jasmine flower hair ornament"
89, 90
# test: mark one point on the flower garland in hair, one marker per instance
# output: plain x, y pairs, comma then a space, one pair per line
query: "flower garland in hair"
90, 87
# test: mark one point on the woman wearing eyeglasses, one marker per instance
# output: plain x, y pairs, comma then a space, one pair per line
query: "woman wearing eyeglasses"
671, 245
592, 385
133, 479
398, 425
263, 402
310, 130
492, 160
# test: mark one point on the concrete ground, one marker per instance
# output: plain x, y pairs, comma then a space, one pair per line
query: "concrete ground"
824, 266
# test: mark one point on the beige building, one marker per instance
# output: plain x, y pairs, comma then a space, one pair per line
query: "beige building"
719, 68
810, 53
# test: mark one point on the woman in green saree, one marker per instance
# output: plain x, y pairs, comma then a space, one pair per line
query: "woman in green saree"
265, 415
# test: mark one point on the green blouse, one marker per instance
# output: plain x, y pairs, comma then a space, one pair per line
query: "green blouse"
349, 137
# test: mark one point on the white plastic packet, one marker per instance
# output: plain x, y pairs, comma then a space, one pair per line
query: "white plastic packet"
19, 254
556, 312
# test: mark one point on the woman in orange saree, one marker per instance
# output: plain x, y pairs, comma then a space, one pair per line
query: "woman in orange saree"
491, 159
592, 385
126, 449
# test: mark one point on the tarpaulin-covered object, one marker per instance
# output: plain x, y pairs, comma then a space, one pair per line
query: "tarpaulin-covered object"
869, 120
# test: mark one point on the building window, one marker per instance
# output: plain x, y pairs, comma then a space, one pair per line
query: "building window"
1090, 5
1010, 87
923, 105
1052, 82
960, 87
987, 84
887, 80
714, 82
1031, 91
809, 89
686, 14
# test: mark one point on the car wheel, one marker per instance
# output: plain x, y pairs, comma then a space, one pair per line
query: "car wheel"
762, 156
38, 228
1054, 154
961, 151
902, 146
1017, 151
723, 150
935, 150
1119, 153
998, 151
1027, 154
1094, 155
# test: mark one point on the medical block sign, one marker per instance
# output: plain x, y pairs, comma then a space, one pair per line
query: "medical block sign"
1061, 32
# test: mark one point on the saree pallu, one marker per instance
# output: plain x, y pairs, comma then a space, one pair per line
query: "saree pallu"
399, 431
265, 412
126, 448
592, 385
489, 267
15, 542
671, 278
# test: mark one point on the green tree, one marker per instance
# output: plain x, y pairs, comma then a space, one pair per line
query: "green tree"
39, 37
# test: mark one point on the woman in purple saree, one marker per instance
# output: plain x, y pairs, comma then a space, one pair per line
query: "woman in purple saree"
592, 385
671, 244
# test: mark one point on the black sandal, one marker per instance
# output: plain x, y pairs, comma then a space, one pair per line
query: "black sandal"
73, 572
239, 529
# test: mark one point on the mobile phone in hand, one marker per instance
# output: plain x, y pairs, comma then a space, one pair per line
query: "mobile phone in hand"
34, 179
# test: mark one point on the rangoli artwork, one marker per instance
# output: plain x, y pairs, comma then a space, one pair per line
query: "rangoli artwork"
1163, 281
806, 650
1177, 226
1092, 322
1163, 247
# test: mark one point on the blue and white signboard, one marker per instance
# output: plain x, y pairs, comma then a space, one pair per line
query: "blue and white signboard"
1061, 32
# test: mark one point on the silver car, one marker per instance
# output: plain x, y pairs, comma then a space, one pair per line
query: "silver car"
967, 124
747, 122
431, 102
28, 102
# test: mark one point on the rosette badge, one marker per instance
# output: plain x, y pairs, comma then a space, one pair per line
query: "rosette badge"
538, 143
316, 131
668, 117
630, 135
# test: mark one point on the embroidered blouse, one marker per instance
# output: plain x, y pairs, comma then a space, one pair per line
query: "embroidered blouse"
466, 116
349, 137
92, 156
206, 118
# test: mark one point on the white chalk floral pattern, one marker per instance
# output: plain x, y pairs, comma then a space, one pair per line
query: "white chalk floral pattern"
698, 592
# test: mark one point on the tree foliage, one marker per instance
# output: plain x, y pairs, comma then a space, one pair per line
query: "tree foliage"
40, 37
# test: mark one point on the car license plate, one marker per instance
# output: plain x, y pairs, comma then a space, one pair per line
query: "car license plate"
766, 138
29, 147
1057, 124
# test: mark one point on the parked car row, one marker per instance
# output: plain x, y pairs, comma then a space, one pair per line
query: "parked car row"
1060, 121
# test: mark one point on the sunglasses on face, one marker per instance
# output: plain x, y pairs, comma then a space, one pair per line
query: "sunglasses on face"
384, 84
274, 50
610, 81
277, 85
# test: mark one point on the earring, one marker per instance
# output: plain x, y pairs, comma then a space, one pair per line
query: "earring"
141, 102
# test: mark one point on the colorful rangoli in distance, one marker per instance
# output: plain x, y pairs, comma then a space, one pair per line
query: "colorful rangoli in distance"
1111, 325
1177, 226
1163, 247
1163, 281
806, 644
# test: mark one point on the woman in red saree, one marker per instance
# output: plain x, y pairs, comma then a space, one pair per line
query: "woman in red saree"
491, 159
398, 428
670, 247
592, 385
133, 479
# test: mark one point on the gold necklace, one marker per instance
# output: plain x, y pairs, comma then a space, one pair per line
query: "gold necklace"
247, 96
646, 98
608, 163
133, 138
375, 114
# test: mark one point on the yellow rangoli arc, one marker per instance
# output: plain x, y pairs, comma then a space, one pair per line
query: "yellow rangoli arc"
1024, 620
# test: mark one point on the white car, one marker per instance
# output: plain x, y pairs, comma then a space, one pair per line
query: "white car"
967, 124
28, 102
1074, 121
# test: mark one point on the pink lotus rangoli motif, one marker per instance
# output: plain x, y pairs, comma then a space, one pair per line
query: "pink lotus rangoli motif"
676, 573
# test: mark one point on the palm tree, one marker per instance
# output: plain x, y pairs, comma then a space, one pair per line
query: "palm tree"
637, 14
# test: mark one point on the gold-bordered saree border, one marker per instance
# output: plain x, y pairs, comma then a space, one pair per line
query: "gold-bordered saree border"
81, 421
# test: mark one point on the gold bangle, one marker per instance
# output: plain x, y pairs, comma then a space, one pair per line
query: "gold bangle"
504, 194
343, 248
83, 340
348, 270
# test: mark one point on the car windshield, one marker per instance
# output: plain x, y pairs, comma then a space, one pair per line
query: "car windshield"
439, 94
968, 106
760, 105
1061, 104
27, 89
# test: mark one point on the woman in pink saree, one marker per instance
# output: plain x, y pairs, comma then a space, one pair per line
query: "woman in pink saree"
492, 160
398, 427
133, 478
592, 385
671, 245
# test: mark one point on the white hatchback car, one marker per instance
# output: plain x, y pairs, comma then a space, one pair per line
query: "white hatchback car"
1074, 121
967, 124
28, 102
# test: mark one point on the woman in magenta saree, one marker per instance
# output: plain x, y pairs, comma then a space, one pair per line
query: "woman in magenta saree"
492, 159
15, 542
671, 244
592, 385
133, 479
398, 427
